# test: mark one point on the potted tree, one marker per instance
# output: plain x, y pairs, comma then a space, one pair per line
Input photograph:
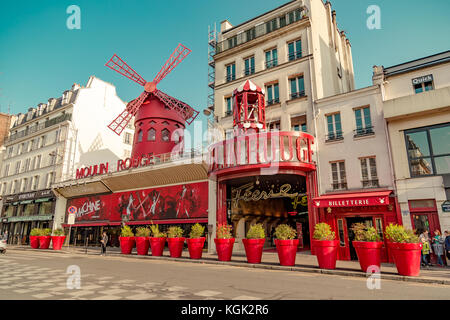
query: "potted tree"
142, 240
126, 240
224, 242
34, 238
157, 241
45, 238
286, 244
175, 241
326, 246
406, 249
367, 245
254, 243
196, 241
58, 238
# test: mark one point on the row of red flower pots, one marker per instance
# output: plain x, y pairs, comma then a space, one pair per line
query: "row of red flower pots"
43, 242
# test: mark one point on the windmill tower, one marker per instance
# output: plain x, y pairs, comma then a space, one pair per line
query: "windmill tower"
159, 118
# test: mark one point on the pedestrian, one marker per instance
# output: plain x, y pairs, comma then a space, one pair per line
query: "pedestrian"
104, 241
425, 252
438, 247
5, 236
447, 244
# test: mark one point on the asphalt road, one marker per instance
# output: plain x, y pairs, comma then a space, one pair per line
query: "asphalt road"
34, 275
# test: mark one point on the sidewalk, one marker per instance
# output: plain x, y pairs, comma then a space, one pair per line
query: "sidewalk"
305, 262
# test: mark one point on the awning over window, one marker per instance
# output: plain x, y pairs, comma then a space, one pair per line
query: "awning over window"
360, 199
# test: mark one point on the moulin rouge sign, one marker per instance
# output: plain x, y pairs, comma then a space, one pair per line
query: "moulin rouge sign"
103, 168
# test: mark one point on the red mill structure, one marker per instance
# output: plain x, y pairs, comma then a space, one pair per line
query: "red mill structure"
263, 177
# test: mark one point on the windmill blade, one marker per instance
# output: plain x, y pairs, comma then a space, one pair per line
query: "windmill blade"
119, 123
187, 112
176, 57
117, 64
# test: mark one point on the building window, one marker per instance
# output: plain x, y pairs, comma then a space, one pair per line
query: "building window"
38, 162
295, 15
165, 135
127, 138
151, 135
232, 42
271, 58
298, 124
140, 134
274, 126
231, 72
249, 66
271, 25
6, 170
422, 84
273, 94
36, 183
27, 165
17, 167
42, 144
228, 104
251, 34
334, 127
10, 152
297, 85
429, 150
338, 175
363, 122
369, 172
294, 50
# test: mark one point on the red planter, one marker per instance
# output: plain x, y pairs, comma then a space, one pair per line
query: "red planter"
175, 246
369, 254
126, 244
195, 247
44, 242
407, 258
253, 249
326, 252
34, 242
157, 246
57, 242
287, 251
142, 245
224, 248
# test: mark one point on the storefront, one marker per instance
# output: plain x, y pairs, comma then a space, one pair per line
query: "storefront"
23, 212
181, 204
374, 209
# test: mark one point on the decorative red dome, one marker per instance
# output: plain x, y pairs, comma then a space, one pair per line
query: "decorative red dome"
248, 86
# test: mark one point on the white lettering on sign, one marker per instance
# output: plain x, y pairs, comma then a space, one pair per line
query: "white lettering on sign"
88, 207
346, 203
423, 79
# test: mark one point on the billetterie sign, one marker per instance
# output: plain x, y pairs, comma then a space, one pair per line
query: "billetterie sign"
122, 164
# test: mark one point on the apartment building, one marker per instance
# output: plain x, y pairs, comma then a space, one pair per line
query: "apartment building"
416, 105
47, 143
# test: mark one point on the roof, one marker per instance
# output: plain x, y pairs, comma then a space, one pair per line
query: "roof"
248, 86
425, 62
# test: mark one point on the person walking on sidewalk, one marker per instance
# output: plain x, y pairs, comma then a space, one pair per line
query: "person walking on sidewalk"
104, 241
425, 252
447, 244
438, 247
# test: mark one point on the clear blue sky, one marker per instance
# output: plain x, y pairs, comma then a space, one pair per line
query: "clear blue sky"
40, 57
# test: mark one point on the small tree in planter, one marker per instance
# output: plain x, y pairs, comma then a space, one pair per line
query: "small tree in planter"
254, 243
35, 233
58, 238
175, 241
286, 244
406, 250
224, 242
367, 245
45, 238
142, 240
326, 246
157, 240
196, 241
126, 240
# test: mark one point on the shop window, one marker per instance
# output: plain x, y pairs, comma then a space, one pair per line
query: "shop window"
273, 94
363, 122
9, 211
28, 209
369, 172
45, 208
429, 150
341, 233
334, 127
339, 180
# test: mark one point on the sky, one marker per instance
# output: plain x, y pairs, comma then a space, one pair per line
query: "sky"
40, 57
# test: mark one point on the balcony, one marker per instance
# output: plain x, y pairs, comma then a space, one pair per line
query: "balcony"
271, 63
294, 55
370, 183
361, 132
230, 77
249, 71
334, 136
33, 129
273, 101
296, 95
261, 30
339, 185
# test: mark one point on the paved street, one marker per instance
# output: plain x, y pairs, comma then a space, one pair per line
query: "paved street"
36, 275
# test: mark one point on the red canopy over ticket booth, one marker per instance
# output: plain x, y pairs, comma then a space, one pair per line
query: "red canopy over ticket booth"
373, 208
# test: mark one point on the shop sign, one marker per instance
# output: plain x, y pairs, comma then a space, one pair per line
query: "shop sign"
30, 196
423, 79
31, 218
351, 202
5, 220
446, 206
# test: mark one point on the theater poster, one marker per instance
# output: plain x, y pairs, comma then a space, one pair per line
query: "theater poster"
183, 201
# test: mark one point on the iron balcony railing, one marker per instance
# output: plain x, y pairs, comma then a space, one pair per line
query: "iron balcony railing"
333, 136
339, 185
249, 71
261, 30
33, 129
271, 63
273, 101
363, 131
370, 183
296, 95
294, 55
230, 77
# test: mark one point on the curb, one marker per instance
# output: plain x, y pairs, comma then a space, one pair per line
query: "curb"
267, 266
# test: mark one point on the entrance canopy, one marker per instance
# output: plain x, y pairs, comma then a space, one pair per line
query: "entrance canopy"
376, 198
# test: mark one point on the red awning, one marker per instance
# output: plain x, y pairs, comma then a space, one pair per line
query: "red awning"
172, 221
360, 199
97, 224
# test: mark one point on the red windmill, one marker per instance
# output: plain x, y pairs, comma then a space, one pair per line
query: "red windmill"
159, 118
